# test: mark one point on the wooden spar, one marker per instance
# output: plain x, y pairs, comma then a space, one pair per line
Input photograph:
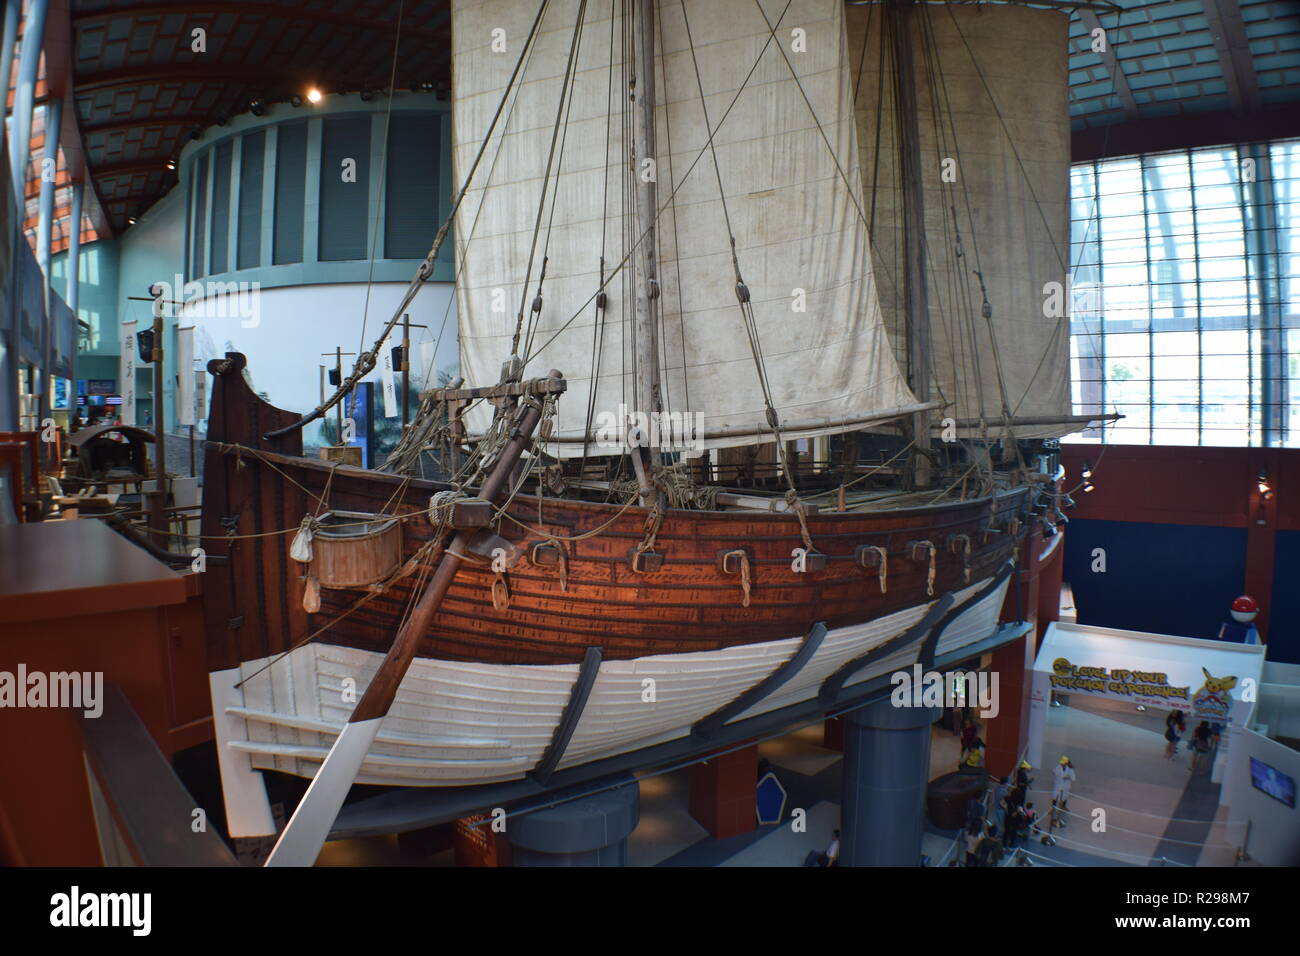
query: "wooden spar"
1037, 420
915, 299
646, 281
305, 834
764, 432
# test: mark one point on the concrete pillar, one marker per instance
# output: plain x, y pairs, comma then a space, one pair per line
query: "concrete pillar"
25, 96
723, 793
9, 337
73, 292
886, 767
13, 9
44, 236
589, 831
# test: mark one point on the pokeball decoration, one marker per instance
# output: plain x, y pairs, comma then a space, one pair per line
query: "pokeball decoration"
770, 799
1244, 609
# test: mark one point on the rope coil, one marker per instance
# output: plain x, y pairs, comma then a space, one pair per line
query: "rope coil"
745, 580
441, 508
920, 551
881, 561
960, 543
801, 512
561, 561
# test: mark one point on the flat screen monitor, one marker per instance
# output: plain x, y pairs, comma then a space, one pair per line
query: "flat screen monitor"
1272, 781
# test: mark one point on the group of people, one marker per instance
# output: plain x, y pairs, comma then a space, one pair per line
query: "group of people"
1015, 818
1204, 738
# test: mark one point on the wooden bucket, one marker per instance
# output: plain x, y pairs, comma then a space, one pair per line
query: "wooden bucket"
354, 549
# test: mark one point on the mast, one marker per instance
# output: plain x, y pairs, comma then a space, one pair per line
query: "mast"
915, 304
645, 274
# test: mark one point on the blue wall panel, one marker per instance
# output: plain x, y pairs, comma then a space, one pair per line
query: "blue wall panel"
1161, 578
1284, 612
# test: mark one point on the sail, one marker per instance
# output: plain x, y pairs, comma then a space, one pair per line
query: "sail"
793, 197
995, 162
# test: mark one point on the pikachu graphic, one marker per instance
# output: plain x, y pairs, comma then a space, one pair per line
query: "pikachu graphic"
1214, 700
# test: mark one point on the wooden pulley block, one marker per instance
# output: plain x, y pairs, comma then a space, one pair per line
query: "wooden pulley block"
470, 513
645, 561
731, 561
867, 556
814, 561
488, 547
544, 554
920, 550
958, 543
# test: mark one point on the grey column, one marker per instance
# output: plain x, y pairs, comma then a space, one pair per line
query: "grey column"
73, 293
886, 767
25, 96
8, 336
589, 831
44, 234
12, 12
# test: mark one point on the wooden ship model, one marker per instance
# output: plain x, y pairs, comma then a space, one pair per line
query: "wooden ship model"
730, 216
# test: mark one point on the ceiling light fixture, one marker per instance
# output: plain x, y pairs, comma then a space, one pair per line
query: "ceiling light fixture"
314, 95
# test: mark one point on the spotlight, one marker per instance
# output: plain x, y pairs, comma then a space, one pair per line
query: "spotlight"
426, 86
442, 92
1265, 488
257, 107
295, 101
366, 96
314, 95
131, 220
171, 164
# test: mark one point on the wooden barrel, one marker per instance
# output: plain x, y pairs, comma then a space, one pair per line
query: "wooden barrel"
353, 549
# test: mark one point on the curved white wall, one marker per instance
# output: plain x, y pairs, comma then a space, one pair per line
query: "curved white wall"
284, 330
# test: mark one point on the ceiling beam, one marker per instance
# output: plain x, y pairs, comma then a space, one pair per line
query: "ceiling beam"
1233, 48
1186, 131
132, 168
1117, 78
161, 119
196, 11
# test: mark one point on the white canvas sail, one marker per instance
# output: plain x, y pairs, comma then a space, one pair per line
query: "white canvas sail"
999, 155
800, 238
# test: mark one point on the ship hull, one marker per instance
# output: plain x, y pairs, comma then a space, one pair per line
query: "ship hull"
457, 723
491, 681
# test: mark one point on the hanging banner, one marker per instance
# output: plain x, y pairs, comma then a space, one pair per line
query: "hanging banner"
185, 376
392, 408
126, 371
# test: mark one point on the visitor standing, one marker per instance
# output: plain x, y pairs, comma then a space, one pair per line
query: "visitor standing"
1173, 732
1062, 779
1199, 744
